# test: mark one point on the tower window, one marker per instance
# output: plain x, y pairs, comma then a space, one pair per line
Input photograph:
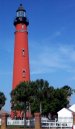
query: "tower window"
22, 26
24, 73
23, 52
20, 14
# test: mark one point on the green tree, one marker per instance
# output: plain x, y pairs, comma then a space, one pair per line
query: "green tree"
48, 98
51, 99
42, 94
41, 97
2, 100
68, 90
42, 87
60, 99
20, 98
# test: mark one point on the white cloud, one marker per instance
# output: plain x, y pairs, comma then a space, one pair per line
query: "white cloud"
68, 51
50, 58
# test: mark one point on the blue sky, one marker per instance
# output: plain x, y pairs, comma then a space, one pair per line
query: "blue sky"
51, 42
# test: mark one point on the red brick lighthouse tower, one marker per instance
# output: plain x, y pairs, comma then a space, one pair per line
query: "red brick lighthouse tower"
21, 70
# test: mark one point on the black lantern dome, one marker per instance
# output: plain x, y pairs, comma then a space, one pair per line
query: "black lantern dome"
20, 8
21, 16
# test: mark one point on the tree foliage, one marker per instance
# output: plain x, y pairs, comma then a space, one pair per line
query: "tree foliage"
41, 97
2, 100
20, 96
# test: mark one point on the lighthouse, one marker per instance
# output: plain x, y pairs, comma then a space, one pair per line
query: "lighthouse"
21, 71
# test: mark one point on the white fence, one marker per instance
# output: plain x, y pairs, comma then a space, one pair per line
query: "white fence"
15, 122
44, 123
56, 124
19, 122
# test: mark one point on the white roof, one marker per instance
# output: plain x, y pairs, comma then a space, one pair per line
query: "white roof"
64, 110
72, 108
